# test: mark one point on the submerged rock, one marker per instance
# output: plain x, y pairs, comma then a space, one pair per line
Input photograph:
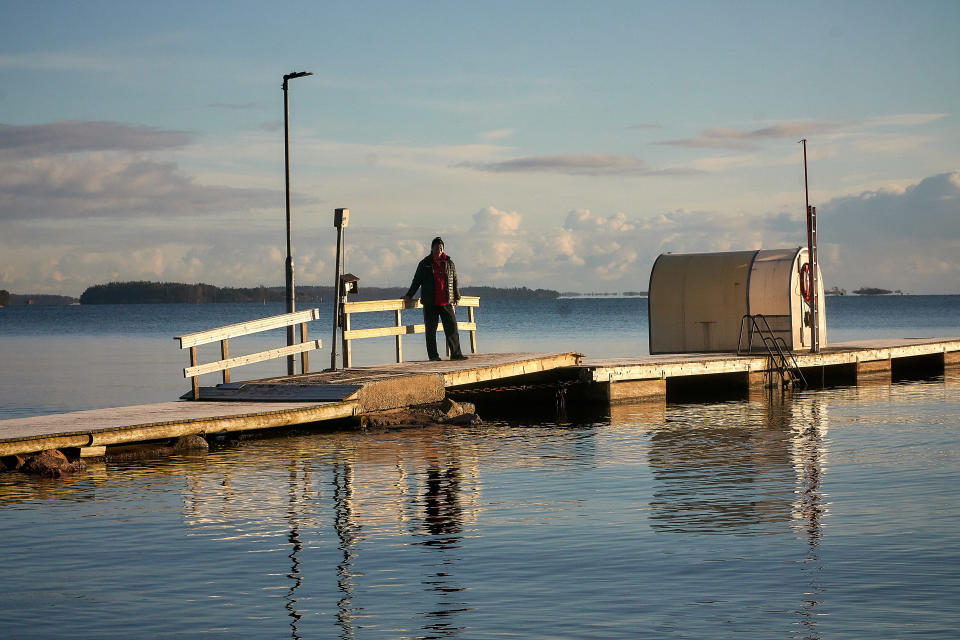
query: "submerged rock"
464, 419
445, 412
452, 409
190, 443
51, 463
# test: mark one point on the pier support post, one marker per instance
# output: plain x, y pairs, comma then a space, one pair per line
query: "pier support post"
874, 371
636, 391
761, 379
951, 360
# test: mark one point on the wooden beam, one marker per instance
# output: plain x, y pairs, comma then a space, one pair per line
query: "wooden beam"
196, 381
637, 391
225, 355
246, 328
407, 329
951, 359
260, 356
879, 370
367, 306
345, 353
399, 319
305, 356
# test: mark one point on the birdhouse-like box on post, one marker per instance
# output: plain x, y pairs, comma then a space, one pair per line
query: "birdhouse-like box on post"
697, 301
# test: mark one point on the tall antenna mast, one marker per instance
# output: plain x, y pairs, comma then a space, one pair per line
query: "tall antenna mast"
812, 260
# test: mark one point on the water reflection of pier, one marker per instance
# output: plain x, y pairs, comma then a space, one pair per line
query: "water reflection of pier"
363, 490
750, 468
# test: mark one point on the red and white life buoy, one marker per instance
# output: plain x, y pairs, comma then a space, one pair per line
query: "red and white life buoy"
806, 281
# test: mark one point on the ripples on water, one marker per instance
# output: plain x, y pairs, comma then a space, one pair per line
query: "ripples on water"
829, 514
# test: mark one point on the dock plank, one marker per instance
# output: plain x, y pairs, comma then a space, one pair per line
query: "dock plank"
138, 423
691, 364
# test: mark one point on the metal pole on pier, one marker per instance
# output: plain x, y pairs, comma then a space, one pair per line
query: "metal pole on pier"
291, 305
340, 219
812, 258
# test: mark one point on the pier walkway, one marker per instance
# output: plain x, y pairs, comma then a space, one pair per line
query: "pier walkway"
272, 402
354, 391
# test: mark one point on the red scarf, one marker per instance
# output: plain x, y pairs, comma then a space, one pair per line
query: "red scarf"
440, 280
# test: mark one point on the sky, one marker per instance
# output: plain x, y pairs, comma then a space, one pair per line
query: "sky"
552, 144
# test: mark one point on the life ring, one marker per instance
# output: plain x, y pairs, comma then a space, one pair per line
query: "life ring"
806, 281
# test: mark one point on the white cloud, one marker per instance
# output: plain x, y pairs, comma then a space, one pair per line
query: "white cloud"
582, 219
491, 220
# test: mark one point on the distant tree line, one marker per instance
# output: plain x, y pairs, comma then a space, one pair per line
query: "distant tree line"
8, 299
142, 292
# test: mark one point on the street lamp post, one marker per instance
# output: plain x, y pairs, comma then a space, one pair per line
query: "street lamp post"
291, 305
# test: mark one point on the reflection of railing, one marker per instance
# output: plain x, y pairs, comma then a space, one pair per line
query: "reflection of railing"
398, 329
223, 335
780, 354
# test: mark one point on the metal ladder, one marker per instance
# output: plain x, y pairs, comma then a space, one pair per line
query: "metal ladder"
780, 354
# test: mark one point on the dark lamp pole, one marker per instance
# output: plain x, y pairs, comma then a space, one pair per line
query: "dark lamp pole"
291, 305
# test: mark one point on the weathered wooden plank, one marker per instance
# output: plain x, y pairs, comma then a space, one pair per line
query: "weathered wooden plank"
407, 329
366, 306
98, 427
248, 327
260, 356
666, 366
305, 356
473, 332
195, 383
399, 339
225, 355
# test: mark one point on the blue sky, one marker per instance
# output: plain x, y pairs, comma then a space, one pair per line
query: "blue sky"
552, 144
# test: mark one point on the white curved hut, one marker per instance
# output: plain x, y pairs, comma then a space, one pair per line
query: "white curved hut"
697, 300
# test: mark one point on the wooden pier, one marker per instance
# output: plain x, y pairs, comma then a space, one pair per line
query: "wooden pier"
272, 402
648, 377
351, 392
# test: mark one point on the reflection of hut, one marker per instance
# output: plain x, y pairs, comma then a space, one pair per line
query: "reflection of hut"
697, 300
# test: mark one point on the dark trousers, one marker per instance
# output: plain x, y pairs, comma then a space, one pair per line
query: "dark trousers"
447, 315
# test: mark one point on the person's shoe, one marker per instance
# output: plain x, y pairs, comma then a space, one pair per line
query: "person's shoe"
460, 357
435, 358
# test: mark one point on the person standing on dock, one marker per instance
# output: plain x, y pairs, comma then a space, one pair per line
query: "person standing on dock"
437, 275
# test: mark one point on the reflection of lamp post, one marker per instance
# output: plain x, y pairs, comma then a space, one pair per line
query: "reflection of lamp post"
291, 306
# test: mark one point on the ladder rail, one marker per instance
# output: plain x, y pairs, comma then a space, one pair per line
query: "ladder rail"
776, 347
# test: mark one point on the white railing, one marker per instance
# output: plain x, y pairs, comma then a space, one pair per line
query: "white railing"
223, 335
398, 329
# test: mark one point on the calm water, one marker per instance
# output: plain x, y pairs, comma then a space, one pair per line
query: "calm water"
826, 514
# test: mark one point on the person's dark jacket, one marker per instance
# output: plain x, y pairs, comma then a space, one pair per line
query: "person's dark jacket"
424, 278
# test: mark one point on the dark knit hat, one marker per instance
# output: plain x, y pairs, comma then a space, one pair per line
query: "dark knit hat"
436, 241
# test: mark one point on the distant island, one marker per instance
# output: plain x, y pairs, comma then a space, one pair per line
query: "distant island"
8, 299
604, 294
142, 292
873, 291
